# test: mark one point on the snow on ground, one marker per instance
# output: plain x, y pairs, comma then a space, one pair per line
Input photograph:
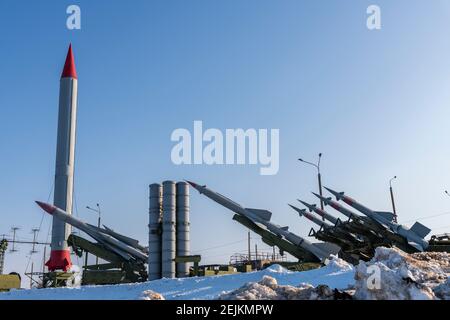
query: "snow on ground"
337, 274
391, 274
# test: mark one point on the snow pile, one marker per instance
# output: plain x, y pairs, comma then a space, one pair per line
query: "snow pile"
336, 264
268, 289
151, 295
393, 275
75, 280
439, 259
390, 275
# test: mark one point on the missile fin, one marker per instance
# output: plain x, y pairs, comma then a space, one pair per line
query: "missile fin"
300, 212
261, 213
419, 229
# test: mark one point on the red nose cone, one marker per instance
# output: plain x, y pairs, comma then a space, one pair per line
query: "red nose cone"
69, 67
47, 207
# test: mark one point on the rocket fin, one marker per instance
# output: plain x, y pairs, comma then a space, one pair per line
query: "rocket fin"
386, 215
420, 230
263, 214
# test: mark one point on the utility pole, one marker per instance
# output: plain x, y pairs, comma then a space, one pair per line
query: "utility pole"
98, 222
319, 177
43, 260
85, 260
392, 198
31, 275
249, 251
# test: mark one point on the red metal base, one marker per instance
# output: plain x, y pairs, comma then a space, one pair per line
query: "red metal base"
59, 260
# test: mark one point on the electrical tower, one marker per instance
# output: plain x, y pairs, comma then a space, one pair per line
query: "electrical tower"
35, 231
13, 248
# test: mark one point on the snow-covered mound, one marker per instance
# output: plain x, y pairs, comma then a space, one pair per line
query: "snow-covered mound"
393, 274
337, 274
151, 295
268, 289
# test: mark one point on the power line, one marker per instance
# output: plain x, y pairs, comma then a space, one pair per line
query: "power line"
36, 234
428, 217
221, 246
444, 227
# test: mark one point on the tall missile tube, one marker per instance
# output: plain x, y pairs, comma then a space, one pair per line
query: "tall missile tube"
154, 237
183, 239
65, 156
168, 229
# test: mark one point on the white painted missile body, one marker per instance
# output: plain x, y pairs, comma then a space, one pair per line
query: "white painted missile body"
415, 235
121, 248
64, 169
262, 219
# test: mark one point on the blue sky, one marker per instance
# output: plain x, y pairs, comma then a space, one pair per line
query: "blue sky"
375, 103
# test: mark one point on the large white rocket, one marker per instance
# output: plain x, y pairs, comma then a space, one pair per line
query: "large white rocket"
65, 156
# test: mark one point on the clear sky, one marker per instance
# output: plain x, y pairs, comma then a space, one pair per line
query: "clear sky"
375, 103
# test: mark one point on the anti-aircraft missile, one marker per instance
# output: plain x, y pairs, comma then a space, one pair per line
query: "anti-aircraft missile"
106, 237
372, 230
65, 162
415, 235
307, 215
341, 236
261, 218
272, 240
369, 223
329, 202
127, 240
325, 215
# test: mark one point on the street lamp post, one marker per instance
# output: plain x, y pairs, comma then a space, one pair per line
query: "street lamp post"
392, 198
319, 178
98, 221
